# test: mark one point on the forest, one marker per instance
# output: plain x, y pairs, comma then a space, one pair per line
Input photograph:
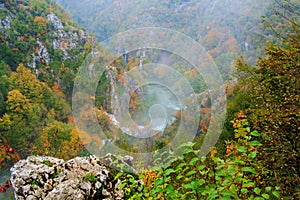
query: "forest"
52, 56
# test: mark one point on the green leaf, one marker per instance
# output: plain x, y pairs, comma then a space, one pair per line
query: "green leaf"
234, 191
276, 194
188, 150
158, 181
201, 167
200, 182
249, 184
222, 173
170, 190
268, 189
157, 190
248, 169
180, 165
248, 129
257, 191
179, 177
203, 158
191, 173
244, 190
225, 193
169, 171
118, 175
266, 196
140, 188
226, 198
259, 198
242, 149
255, 133
131, 180
213, 195
123, 185
194, 161
181, 146
189, 144
185, 169
252, 155
189, 186
238, 162
255, 143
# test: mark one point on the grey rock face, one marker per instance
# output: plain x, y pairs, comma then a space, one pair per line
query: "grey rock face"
55, 20
50, 178
5, 23
43, 52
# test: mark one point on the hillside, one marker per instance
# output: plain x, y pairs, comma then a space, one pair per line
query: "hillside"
224, 28
40, 35
152, 97
41, 49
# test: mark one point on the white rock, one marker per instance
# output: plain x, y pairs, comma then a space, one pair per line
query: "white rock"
51, 178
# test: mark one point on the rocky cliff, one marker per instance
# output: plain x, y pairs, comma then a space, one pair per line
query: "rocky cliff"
40, 35
41, 49
79, 178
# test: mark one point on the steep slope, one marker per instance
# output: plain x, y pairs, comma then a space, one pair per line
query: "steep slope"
40, 35
40, 52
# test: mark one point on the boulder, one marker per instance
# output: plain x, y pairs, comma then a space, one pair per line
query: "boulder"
39, 177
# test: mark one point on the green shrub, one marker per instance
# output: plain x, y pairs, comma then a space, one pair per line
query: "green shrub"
238, 175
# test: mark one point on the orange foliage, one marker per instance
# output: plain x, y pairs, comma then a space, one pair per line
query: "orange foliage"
57, 89
149, 177
84, 136
205, 110
213, 152
40, 20
134, 101
178, 114
119, 76
49, 10
70, 119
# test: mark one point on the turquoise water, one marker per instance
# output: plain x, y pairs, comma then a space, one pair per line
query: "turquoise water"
158, 106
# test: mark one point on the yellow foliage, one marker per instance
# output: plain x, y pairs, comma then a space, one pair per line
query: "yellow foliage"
52, 136
57, 89
70, 149
17, 102
22, 7
5, 120
45, 142
52, 112
88, 46
41, 21
84, 136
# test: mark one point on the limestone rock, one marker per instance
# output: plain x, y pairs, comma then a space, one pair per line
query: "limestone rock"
50, 178
55, 20
5, 23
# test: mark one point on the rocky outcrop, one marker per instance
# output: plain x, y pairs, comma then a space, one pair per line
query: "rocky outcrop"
55, 21
43, 52
5, 23
60, 39
79, 178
